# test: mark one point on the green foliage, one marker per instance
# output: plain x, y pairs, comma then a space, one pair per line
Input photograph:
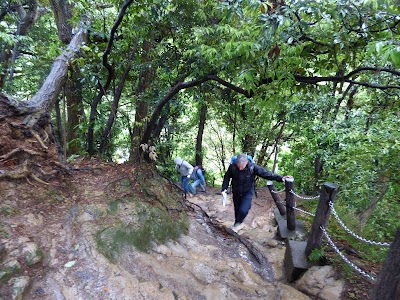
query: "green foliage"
317, 255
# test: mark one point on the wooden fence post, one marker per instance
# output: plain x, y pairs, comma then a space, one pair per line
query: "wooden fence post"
276, 197
290, 204
328, 194
387, 286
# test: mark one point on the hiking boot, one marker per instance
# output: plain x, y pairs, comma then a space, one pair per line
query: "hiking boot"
237, 226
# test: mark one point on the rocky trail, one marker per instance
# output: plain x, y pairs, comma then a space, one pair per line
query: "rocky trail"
55, 243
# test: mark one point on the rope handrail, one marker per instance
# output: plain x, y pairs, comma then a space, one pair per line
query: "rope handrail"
352, 233
369, 276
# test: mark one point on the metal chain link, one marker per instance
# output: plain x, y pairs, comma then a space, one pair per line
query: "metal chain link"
277, 192
304, 198
352, 233
304, 212
370, 276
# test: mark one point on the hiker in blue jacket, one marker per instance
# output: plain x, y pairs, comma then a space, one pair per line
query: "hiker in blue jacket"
198, 178
242, 173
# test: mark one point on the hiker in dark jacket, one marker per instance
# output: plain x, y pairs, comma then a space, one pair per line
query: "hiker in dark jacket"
243, 175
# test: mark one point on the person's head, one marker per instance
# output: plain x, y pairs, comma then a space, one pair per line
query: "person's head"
178, 160
241, 161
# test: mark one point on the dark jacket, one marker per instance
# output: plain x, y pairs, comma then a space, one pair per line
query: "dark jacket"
243, 181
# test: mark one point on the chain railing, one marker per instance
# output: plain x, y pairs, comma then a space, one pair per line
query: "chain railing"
352, 233
304, 212
277, 192
302, 197
291, 205
369, 276
341, 223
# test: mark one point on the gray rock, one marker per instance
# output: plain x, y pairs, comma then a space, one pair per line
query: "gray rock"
19, 286
320, 282
32, 253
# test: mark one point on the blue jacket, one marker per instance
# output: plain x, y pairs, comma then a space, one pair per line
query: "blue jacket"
198, 174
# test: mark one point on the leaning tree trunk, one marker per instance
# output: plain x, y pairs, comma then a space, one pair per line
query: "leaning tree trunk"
27, 147
49, 91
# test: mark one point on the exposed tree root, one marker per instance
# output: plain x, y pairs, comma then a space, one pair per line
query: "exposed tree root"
39, 139
18, 173
27, 149
15, 151
38, 179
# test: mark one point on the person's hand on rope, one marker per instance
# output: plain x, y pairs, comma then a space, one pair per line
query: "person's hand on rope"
224, 197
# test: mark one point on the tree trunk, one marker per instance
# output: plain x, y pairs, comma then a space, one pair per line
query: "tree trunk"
110, 77
49, 91
151, 125
276, 151
318, 165
62, 14
161, 123
146, 76
73, 94
73, 86
117, 97
248, 140
199, 139
234, 129
59, 128
387, 286
381, 191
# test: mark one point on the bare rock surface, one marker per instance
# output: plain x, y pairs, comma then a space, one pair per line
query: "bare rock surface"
54, 247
